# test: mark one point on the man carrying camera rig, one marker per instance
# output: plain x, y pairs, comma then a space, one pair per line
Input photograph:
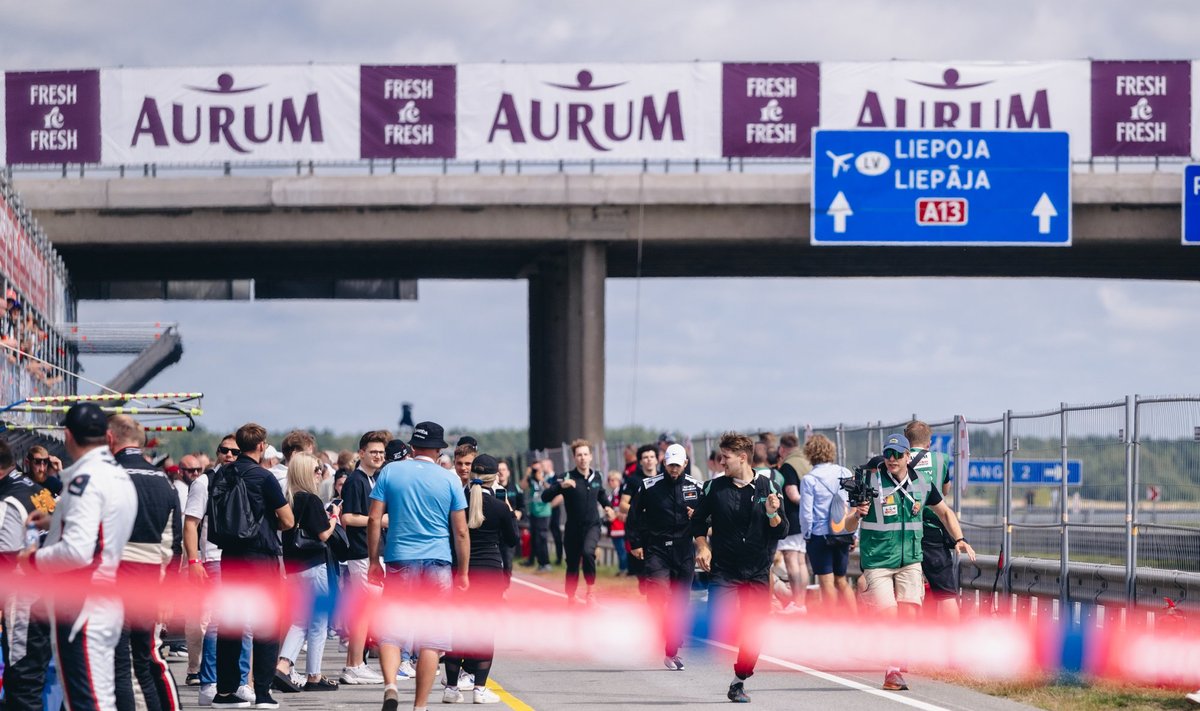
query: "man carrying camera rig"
890, 532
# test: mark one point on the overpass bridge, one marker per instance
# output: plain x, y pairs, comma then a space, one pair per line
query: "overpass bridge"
366, 236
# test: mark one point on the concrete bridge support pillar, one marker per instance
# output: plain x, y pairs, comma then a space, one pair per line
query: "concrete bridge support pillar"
566, 346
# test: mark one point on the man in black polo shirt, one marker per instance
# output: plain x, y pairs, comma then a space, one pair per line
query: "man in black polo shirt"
253, 559
584, 496
742, 509
356, 504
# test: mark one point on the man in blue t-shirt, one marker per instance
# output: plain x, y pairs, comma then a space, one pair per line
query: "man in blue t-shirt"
426, 507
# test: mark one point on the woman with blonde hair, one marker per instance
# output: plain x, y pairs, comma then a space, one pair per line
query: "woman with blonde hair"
491, 524
828, 541
304, 558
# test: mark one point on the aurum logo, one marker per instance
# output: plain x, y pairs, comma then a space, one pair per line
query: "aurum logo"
941, 108
588, 116
228, 115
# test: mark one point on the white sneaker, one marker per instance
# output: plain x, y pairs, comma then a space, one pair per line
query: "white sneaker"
485, 696
207, 692
407, 670
466, 681
245, 692
361, 674
451, 695
1194, 697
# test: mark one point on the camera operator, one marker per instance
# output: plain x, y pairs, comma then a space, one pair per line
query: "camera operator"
890, 530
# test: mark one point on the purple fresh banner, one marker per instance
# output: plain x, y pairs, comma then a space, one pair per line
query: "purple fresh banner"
1141, 108
52, 116
408, 111
769, 110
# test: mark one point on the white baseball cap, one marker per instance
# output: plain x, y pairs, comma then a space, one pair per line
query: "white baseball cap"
676, 454
271, 453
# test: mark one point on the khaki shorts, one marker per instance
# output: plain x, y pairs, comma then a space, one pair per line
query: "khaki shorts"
888, 586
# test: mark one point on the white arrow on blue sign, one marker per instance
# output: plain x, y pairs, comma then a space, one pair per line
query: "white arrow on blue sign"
1026, 472
901, 187
1191, 204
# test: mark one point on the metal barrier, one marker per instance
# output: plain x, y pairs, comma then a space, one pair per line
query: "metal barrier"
1128, 533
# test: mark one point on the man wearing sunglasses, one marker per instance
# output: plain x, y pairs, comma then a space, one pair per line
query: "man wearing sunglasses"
890, 535
43, 468
203, 566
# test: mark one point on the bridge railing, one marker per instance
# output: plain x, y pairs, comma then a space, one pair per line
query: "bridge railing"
446, 166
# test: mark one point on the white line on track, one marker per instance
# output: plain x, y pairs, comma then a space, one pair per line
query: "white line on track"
849, 683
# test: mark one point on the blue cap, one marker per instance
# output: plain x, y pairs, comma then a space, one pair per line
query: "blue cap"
897, 443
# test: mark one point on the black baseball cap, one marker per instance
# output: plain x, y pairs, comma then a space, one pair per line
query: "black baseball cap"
85, 420
485, 464
396, 450
467, 440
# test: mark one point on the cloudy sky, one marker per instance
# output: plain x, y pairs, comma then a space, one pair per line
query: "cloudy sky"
973, 346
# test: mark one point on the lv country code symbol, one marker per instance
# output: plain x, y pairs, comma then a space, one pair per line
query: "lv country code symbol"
960, 188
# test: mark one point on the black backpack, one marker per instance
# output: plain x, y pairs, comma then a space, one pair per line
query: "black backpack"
232, 519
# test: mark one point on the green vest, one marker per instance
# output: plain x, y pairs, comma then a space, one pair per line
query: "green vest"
935, 467
890, 534
533, 499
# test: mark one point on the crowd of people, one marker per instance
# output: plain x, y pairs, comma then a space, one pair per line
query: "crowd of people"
29, 343
400, 518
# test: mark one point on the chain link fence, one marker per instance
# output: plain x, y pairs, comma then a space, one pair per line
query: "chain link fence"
1094, 503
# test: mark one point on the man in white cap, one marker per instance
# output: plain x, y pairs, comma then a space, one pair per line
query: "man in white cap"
660, 534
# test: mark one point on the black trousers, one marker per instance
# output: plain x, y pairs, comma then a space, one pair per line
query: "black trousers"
556, 530
581, 553
137, 652
539, 539
739, 608
26, 642
668, 571
265, 650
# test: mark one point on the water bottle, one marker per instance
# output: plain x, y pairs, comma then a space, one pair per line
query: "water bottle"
32, 534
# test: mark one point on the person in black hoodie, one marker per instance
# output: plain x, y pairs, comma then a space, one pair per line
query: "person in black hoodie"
492, 525
742, 509
584, 496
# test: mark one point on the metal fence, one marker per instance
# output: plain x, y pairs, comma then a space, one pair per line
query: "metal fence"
1127, 533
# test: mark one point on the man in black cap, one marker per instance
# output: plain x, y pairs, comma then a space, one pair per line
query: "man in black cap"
88, 530
26, 635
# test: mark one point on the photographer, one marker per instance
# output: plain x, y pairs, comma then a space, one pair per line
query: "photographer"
829, 540
890, 536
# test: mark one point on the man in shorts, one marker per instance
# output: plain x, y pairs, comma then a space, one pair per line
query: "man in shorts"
890, 530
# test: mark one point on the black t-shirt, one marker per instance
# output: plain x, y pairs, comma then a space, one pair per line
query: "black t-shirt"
265, 495
311, 516
356, 499
792, 511
499, 528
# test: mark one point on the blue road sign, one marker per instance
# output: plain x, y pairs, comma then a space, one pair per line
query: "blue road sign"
900, 187
1191, 204
942, 442
1026, 472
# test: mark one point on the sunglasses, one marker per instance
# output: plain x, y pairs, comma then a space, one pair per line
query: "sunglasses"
39, 461
190, 470
229, 450
893, 454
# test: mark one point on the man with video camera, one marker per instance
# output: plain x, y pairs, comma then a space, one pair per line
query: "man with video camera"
890, 531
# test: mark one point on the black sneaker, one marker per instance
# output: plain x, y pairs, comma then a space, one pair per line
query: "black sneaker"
283, 683
192, 680
229, 701
264, 700
737, 693
391, 699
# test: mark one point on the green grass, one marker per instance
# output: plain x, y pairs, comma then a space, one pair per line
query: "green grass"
1087, 696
